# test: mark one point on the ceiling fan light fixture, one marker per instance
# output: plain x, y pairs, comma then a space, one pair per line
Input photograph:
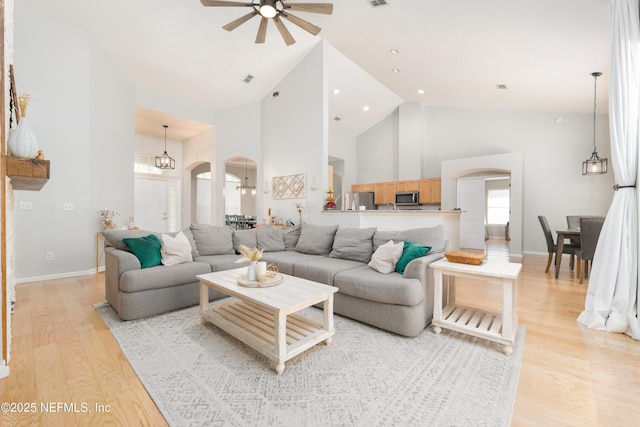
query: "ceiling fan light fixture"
268, 8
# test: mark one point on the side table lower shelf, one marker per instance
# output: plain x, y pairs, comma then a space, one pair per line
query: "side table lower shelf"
474, 322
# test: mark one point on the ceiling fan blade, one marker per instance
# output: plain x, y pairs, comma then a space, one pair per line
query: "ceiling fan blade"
262, 30
305, 25
224, 3
237, 22
324, 8
286, 35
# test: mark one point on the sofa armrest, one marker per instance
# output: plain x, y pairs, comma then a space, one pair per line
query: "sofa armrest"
419, 267
117, 262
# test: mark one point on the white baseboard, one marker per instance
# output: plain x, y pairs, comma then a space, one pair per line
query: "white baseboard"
57, 276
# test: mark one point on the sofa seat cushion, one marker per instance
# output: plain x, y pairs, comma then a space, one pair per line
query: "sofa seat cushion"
323, 270
162, 276
286, 260
368, 284
222, 262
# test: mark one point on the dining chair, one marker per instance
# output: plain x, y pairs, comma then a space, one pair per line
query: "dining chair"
568, 248
589, 233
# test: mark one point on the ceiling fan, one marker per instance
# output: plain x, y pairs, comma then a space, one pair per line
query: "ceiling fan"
274, 9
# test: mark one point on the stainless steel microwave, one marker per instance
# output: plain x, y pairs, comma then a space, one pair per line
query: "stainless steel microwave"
407, 198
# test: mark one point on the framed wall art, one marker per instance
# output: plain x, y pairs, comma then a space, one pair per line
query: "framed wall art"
288, 187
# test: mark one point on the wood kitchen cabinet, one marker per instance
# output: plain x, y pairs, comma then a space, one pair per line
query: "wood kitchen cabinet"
368, 188
356, 188
411, 185
385, 192
436, 190
430, 192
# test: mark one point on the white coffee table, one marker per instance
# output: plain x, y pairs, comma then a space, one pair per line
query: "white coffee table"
498, 327
264, 318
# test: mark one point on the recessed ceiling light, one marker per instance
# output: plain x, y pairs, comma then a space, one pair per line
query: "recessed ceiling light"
396, 70
421, 91
559, 119
501, 86
365, 108
394, 51
336, 91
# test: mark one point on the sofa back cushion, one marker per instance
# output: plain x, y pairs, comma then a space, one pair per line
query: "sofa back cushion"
246, 238
213, 240
114, 237
271, 239
291, 236
316, 239
355, 244
425, 236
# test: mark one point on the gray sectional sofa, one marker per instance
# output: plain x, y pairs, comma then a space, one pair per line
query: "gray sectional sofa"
400, 303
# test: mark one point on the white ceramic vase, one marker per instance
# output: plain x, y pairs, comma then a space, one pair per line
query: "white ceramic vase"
251, 271
22, 141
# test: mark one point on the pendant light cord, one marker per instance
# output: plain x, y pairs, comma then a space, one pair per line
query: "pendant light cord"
595, 106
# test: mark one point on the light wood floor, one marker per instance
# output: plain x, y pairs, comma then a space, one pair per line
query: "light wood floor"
571, 376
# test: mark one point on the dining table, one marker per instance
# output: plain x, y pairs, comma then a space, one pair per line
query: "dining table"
564, 233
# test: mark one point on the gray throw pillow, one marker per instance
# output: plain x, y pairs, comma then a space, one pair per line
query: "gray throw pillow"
247, 238
114, 237
425, 236
213, 240
291, 236
355, 244
316, 239
270, 239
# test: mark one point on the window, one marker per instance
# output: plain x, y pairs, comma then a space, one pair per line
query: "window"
232, 204
146, 164
498, 206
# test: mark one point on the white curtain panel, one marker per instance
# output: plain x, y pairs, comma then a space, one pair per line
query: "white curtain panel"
612, 298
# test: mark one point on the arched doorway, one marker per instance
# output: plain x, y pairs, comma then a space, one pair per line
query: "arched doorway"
240, 195
509, 163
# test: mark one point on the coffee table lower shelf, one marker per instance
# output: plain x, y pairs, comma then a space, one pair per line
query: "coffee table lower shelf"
256, 327
475, 322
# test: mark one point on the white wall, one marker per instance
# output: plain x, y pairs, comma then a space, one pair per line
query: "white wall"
553, 153
377, 151
83, 115
295, 135
343, 146
238, 135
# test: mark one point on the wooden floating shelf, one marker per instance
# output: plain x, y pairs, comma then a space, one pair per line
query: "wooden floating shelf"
27, 174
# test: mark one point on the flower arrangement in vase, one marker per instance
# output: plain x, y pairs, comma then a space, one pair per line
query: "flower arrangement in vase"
253, 256
331, 200
22, 141
106, 218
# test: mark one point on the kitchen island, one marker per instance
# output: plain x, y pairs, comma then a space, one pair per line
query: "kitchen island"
398, 220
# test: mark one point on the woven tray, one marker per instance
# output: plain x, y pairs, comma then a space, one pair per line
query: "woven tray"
465, 257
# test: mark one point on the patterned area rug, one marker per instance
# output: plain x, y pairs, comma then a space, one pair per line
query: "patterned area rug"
199, 375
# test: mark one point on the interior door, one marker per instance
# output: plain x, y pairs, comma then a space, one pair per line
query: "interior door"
151, 204
471, 199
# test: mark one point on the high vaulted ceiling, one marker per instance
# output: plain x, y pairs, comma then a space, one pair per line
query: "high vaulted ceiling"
456, 51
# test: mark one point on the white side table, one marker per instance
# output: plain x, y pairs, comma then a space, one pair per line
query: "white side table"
498, 327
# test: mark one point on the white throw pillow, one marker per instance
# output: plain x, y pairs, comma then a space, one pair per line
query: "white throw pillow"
384, 259
175, 250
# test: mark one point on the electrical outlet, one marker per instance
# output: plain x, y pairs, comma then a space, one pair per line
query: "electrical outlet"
67, 206
49, 256
26, 205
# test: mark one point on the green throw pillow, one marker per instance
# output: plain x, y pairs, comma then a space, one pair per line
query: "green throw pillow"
146, 249
410, 252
